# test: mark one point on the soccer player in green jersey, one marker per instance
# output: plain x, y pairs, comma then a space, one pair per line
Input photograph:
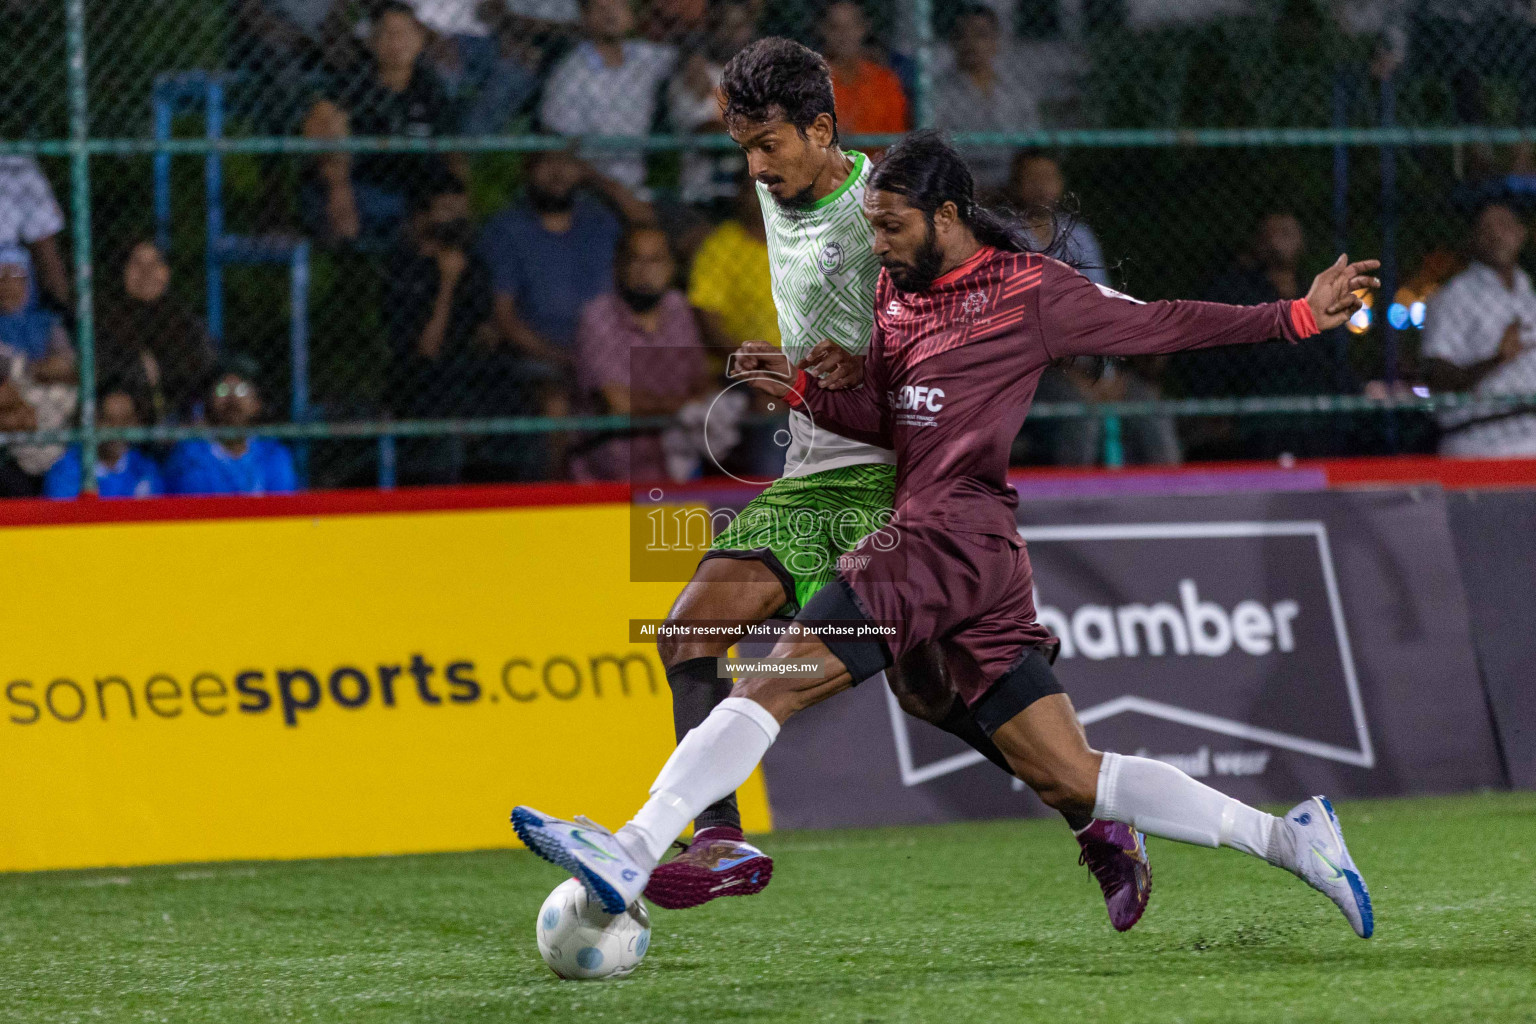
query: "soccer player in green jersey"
785, 544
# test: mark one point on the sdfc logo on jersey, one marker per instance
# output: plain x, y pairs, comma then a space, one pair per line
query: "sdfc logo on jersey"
831, 258
915, 405
894, 309
910, 397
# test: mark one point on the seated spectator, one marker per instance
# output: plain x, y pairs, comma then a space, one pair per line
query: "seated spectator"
978, 96
284, 52
868, 94
543, 22
673, 21
285, 48
437, 303
15, 415
729, 285
1480, 336
535, 32
363, 195
37, 363
693, 102
122, 471
608, 85
30, 217
733, 299
639, 353
150, 340
1268, 270
1144, 440
27, 330
236, 465
448, 359
552, 253
493, 82
1037, 188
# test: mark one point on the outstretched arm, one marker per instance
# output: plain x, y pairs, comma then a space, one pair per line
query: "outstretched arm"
1080, 318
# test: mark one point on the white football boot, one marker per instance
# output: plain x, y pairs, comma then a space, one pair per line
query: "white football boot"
588, 851
1309, 843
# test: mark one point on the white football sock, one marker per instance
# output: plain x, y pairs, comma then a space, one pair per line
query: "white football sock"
712, 761
1162, 801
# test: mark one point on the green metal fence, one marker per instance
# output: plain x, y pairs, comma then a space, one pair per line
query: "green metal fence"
1181, 141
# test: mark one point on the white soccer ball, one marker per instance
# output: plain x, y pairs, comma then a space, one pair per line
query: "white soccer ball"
581, 941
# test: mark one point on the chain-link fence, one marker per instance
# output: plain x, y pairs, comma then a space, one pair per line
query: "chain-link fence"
359, 232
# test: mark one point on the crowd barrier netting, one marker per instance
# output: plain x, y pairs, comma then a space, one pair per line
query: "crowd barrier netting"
284, 189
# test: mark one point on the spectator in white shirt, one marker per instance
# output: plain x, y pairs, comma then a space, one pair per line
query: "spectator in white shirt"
608, 85
30, 216
1480, 336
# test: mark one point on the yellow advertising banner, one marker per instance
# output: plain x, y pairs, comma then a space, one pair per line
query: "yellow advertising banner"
323, 685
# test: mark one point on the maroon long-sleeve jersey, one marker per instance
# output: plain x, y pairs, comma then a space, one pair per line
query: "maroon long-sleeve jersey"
951, 371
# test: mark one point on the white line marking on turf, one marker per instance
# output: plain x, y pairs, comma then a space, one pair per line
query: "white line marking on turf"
198, 876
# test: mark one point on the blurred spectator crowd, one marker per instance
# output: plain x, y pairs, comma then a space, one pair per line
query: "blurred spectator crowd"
605, 280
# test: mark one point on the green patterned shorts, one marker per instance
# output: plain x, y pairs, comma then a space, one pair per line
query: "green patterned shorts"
806, 522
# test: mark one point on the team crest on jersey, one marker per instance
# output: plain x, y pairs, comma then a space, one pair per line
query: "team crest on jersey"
832, 258
974, 306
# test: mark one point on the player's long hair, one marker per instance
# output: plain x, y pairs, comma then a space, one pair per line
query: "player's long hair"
925, 169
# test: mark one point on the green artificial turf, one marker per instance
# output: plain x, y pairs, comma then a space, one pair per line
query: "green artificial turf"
975, 922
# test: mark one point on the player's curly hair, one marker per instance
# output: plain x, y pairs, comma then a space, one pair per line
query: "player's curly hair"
777, 78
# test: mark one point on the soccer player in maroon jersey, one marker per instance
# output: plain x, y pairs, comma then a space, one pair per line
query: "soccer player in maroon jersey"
967, 318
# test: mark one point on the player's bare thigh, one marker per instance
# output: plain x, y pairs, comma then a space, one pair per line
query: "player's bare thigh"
783, 696
722, 589
1047, 748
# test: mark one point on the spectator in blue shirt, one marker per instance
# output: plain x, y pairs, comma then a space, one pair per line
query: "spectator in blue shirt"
122, 471
552, 254
243, 465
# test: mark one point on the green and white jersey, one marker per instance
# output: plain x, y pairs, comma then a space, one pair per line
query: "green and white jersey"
823, 273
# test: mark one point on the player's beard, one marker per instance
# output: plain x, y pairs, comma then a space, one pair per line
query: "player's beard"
919, 275
550, 202
640, 302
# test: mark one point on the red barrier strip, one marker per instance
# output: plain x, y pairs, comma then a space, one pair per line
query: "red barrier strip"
1392, 470
41, 512
1452, 474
